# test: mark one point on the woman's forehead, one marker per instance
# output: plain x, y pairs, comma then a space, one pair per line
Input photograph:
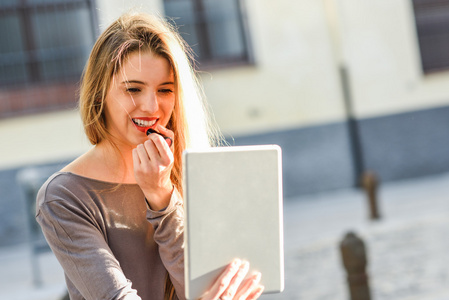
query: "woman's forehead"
145, 65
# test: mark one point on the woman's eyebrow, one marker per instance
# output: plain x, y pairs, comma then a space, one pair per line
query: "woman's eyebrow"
133, 81
143, 83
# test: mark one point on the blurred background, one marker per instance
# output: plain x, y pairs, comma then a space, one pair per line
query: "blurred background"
346, 87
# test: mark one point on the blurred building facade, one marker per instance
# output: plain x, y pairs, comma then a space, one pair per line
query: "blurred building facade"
342, 86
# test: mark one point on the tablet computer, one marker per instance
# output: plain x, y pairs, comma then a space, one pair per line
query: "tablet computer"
233, 209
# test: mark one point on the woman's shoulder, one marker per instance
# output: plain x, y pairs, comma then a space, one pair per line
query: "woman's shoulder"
72, 183
70, 178
57, 186
65, 191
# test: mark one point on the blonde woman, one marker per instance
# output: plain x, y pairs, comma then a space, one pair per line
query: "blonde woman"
114, 216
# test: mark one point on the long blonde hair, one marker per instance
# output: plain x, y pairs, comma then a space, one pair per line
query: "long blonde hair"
141, 32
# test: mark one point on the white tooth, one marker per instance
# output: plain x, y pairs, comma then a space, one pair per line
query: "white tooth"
144, 123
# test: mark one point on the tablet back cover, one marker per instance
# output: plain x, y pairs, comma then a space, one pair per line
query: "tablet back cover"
233, 209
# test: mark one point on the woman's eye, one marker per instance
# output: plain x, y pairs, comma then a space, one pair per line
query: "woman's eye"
166, 91
132, 90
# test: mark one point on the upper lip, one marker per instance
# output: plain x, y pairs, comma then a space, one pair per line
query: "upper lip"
145, 118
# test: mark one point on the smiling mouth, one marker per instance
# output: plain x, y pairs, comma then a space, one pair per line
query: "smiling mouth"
144, 123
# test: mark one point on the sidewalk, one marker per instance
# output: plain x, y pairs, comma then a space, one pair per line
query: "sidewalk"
16, 280
407, 248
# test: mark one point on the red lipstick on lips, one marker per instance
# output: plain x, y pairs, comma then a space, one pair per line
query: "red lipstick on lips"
142, 129
149, 130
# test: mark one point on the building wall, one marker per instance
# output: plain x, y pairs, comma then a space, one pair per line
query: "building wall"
294, 81
41, 139
299, 47
292, 94
109, 10
380, 48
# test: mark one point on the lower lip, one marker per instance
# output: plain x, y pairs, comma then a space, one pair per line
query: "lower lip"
141, 129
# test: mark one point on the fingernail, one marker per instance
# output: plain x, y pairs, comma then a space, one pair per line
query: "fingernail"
169, 141
258, 291
245, 265
258, 276
236, 262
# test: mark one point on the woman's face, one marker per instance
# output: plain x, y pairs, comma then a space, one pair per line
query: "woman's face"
141, 96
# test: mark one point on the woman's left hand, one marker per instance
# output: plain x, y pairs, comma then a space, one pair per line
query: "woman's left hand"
153, 161
231, 284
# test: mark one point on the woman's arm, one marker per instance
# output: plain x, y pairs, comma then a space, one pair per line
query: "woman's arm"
168, 227
80, 247
153, 161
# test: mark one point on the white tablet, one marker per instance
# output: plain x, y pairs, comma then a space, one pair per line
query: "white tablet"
233, 208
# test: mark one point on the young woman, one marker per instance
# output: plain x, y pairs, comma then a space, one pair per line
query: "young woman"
114, 216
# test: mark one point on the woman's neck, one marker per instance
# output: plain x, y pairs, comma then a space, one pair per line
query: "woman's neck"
117, 163
107, 162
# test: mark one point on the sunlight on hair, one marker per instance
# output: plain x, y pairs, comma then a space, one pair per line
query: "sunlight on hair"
194, 107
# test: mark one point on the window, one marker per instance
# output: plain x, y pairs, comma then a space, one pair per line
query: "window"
45, 44
432, 23
215, 29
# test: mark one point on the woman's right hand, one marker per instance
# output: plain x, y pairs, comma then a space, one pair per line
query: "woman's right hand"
231, 284
153, 161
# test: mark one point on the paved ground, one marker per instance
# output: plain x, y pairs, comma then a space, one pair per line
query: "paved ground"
407, 248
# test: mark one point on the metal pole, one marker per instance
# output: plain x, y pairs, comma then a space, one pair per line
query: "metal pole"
334, 26
353, 127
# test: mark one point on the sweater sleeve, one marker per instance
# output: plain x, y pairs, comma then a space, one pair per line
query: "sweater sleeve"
168, 227
80, 246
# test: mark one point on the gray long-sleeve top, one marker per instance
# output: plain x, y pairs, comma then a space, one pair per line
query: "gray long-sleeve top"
109, 243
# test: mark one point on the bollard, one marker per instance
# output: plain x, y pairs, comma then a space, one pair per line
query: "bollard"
30, 180
354, 260
369, 184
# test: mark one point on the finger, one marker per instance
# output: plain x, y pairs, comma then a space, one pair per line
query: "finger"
168, 139
136, 160
229, 293
151, 148
142, 154
248, 286
165, 131
162, 148
256, 293
168, 135
224, 279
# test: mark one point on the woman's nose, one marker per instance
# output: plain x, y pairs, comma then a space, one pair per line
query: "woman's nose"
150, 103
